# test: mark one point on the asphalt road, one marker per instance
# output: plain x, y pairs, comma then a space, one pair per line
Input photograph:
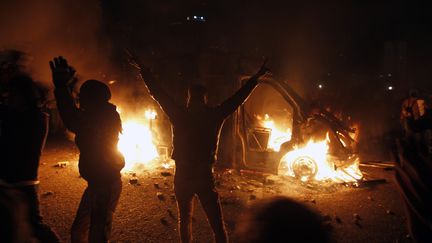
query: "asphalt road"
367, 214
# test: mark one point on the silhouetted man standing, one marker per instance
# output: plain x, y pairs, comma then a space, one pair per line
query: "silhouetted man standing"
23, 131
96, 125
196, 129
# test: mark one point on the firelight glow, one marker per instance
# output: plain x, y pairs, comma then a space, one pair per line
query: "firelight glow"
136, 142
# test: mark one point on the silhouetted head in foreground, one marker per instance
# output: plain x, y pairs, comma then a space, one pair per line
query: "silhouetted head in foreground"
93, 94
280, 219
197, 96
10, 64
23, 93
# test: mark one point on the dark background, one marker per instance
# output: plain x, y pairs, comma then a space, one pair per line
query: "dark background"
354, 49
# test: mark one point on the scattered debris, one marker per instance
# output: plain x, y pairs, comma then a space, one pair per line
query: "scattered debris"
379, 164
47, 193
171, 214
160, 195
255, 183
269, 181
166, 173
338, 220
371, 182
62, 164
133, 180
357, 219
357, 223
164, 221
356, 216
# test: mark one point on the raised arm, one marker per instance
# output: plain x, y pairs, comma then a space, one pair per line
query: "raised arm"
62, 74
158, 94
237, 99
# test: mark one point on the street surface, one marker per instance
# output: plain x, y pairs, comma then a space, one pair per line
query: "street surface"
147, 210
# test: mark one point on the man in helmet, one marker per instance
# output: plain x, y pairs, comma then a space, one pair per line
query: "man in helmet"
96, 125
196, 130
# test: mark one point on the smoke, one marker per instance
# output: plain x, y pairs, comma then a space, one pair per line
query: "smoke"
47, 28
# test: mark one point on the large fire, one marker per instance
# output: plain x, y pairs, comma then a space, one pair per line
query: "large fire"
311, 161
137, 142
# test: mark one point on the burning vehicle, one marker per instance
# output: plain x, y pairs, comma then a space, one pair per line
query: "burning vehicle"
279, 132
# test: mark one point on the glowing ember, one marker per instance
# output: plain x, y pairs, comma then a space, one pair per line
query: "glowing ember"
136, 142
277, 135
312, 162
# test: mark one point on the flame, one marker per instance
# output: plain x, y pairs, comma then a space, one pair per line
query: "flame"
277, 135
312, 162
136, 142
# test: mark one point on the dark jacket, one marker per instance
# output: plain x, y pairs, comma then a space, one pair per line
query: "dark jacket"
22, 137
96, 137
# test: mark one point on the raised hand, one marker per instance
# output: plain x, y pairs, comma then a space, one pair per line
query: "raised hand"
62, 73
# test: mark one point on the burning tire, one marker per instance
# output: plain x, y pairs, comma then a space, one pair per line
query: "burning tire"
304, 168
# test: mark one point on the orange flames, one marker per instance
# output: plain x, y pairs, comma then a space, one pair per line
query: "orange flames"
137, 142
311, 161
277, 135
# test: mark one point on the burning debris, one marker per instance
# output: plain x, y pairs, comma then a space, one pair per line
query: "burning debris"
160, 196
133, 180
47, 194
62, 164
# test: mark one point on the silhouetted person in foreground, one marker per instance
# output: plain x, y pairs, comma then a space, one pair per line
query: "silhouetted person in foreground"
23, 131
280, 220
14, 226
96, 125
196, 129
413, 176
